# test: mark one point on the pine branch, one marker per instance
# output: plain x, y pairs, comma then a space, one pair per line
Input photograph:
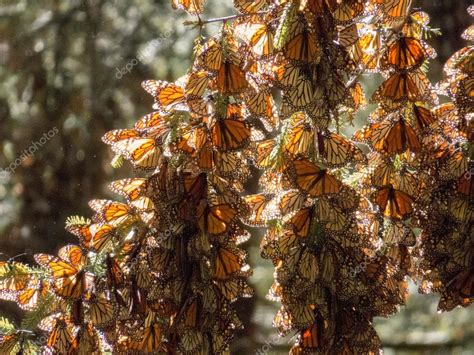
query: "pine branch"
6, 326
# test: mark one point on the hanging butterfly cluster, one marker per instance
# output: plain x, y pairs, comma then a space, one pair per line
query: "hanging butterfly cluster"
159, 272
323, 236
399, 134
447, 238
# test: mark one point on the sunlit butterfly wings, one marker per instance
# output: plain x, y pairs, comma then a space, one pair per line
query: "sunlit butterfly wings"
134, 190
70, 279
394, 203
312, 179
113, 213
257, 35
402, 87
250, 6
216, 216
34, 293
94, 236
407, 53
194, 7
231, 132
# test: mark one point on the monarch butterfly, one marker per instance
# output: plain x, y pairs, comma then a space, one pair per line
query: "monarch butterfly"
461, 209
465, 184
291, 202
303, 48
332, 217
195, 186
336, 150
423, 116
357, 99
282, 318
111, 212
462, 60
19, 279
249, 6
407, 53
319, 7
227, 263
406, 181
335, 89
365, 50
391, 138
210, 58
415, 24
401, 87
301, 315
347, 11
87, 340
314, 180
154, 125
233, 288
308, 267
143, 153
118, 135
231, 79
192, 313
215, 217
70, 279
277, 247
231, 165
150, 341
167, 95
300, 135
92, 236
195, 84
398, 233
455, 165
204, 154
260, 209
101, 310
394, 203
396, 9
261, 104
230, 132
310, 339
114, 273
381, 174
257, 35
292, 76
61, 335
133, 190
35, 292
194, 7
264, 153
348, 36
300, 222
9, 342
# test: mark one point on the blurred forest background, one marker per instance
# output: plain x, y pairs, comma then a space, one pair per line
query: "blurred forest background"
72, 70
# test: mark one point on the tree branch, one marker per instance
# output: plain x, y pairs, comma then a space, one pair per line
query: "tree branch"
200, 23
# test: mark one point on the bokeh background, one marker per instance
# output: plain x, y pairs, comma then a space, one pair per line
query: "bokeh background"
72, 70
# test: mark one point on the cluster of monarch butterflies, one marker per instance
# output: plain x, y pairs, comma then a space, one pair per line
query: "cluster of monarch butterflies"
447, 238
346, 226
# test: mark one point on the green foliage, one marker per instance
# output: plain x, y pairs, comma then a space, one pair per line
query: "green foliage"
6, 326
